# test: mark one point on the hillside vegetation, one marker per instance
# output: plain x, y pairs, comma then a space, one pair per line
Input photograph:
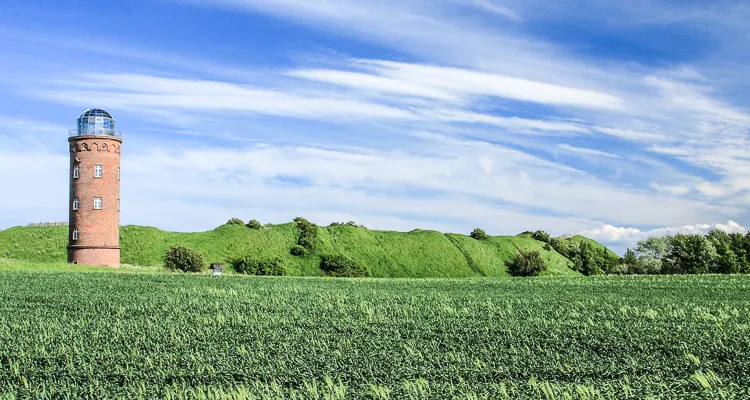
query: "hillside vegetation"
418, 253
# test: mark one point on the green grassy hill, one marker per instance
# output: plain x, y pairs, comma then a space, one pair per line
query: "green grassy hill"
418, 253
596, 245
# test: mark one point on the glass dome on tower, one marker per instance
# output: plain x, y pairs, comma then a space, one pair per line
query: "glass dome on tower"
95, 122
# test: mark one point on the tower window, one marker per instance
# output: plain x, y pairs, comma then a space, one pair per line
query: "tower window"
75, 172
97, 171
97, 203
75, 203
118, 204
75, 234
104, 147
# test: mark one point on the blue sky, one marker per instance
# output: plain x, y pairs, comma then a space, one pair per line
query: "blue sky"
613, 119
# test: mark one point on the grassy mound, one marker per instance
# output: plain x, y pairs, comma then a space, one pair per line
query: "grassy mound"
596, 245
413, 254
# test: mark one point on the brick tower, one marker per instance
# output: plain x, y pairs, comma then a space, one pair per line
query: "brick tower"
94, 223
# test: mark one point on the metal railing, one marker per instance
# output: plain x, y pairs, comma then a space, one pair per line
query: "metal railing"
110, 133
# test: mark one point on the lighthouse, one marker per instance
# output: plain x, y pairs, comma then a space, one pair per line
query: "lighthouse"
94, 204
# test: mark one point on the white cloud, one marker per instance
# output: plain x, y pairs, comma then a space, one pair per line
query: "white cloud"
632, 135
671, 189
495, 8
586, 151
447, 82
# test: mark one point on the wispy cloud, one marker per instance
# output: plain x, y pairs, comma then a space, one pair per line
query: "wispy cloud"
586, 151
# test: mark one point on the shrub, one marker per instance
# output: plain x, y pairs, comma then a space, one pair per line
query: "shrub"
297, 250
350, 223
235, 221
183, 259
308, 234
252, 266
478, 234
340, 265
254, 224
528, 263
541, 236
548, 247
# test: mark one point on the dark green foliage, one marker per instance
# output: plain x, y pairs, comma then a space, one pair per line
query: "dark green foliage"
342, 266
235, 221
478, 234
183, 259
565, 248
727, 261
547, 247
589, 261
254, 224
308, 233
541, 236
350, 223
298, 251
258, 266
690, 254
527, 263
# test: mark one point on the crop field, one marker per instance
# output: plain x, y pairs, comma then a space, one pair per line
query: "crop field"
129, 335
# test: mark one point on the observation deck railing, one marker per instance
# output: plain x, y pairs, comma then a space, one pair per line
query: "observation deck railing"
111, 133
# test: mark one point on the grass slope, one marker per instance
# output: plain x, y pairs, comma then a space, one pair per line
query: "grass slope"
413, 254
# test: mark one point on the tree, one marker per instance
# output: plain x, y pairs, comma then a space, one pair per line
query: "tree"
727, 261
565, 248
691, 254
478, 234
587, 261
527, 263
254, 224
541, 236
651, 253
235, 221
741, 248
630, 263
308, 233
183, 259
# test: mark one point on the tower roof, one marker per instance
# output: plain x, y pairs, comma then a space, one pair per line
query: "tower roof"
95, 112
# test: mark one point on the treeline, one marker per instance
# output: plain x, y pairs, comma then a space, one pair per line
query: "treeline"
717, 252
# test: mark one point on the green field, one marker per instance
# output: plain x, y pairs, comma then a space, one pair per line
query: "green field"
416, 254
132, 335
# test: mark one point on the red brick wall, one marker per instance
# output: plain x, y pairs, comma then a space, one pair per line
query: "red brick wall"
109, 257
98, 230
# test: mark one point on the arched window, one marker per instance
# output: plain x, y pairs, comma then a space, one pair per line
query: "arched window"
84, 147
104, 147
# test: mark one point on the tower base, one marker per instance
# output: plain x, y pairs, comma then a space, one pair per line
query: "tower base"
94, 256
